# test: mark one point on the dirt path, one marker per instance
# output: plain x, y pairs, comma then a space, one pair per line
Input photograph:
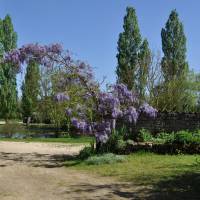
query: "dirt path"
35, 171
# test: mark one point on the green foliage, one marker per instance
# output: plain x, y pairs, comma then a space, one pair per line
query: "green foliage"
8, 91
185, 137
11, 128
164, 137
143, 71
186, 95
169, 176
180, 137
30, 90
175, 69
113, 144
134, 56
121, 145
174, 62
108, 158
128, 46
86, 152
144, 136
57, 114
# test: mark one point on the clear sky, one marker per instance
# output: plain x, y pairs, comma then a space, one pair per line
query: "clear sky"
90, 28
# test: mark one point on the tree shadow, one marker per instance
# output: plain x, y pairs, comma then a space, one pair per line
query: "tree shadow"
113, 191
34, 159
181, 187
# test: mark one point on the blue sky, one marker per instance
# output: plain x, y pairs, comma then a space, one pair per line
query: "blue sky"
90, 28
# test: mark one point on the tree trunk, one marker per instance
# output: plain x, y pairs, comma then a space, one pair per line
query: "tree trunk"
28, 121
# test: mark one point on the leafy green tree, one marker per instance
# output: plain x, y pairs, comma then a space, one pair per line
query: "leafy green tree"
174, 66
30, 90
143, 71
128, 47
169, 98
174, 63
8, 91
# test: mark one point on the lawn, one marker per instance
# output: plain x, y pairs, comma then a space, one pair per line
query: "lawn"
169, 176
73, 140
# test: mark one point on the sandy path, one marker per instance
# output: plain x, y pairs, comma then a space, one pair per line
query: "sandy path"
35, 171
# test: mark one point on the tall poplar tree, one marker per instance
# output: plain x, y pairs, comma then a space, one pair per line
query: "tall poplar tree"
30, 90
143, 71
128, 47
173, 63
8, 90
174, 66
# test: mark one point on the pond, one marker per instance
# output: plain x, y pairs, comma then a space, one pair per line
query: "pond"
20, 131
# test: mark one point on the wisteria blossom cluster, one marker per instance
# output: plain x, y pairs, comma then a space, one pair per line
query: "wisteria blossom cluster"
43, 54
52, 56
118, 103
60, 97
147, 109
124, 95
108, 107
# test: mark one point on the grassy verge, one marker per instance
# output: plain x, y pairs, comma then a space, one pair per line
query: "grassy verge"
78, 140
170, 176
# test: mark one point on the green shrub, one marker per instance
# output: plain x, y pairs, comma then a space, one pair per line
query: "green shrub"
185, 137
104, 159
144, 136
164, 137
11, 128
121, 145
113, 144
87, 152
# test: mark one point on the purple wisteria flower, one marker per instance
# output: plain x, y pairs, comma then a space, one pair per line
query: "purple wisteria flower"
60, 97
75, 122
43, 54
14, 57
131, 114
148, 110
55, 48
81, 125
68, 112
124, 95
101, 137
109, 105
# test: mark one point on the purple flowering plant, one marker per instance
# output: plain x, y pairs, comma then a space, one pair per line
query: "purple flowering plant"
90, 110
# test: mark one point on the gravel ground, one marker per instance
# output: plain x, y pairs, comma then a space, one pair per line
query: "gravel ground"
35, 171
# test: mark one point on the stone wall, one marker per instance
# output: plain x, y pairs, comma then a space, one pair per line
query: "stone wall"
168, 122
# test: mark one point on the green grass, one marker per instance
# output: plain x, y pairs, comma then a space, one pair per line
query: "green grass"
173, 175
108, 158
78, 140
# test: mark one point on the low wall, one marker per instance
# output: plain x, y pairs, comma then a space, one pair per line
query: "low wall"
168, 122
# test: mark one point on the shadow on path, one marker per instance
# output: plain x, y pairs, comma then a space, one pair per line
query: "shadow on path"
119, 190
34, 159
182, 187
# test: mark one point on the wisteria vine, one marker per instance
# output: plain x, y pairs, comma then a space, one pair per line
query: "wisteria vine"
107, 107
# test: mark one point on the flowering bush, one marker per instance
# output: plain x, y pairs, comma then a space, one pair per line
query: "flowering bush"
93, 111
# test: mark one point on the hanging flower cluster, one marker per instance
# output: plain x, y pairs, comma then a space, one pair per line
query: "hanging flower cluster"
43, 54
118, 103
60, 97
149, 110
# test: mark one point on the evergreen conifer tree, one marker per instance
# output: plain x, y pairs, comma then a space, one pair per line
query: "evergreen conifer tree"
8, 90
30, 90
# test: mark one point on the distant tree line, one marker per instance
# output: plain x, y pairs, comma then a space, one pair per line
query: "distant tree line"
167, 82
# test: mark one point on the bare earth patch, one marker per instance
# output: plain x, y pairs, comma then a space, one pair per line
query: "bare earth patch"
35, 171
